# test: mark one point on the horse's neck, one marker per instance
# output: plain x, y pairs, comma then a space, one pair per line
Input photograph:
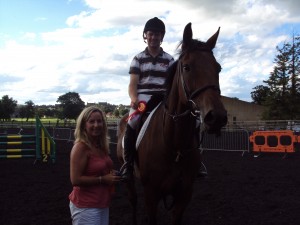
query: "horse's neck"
174, 103
181, 130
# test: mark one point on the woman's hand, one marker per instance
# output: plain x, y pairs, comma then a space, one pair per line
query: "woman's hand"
111, 178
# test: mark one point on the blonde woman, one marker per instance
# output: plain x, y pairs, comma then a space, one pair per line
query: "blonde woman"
91, 170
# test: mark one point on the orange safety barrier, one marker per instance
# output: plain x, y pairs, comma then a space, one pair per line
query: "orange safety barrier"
273, 141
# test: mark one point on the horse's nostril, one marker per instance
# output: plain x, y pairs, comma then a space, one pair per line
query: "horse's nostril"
216, 119
209, 118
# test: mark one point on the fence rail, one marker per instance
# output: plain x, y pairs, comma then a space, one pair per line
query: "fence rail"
231, 139
35, 143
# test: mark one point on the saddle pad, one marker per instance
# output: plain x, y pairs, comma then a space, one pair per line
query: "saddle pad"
144, 127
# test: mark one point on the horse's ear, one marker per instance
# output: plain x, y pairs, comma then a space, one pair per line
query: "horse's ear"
211, 42
187, 34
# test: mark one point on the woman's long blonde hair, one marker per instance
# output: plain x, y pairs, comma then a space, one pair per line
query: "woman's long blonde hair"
80, 132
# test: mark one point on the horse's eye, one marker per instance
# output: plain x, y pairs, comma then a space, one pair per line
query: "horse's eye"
186, 67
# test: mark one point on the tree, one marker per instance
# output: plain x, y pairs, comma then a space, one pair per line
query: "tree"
107, 107
281, 95
259, 95
116, 113
22, 111
71, 105
123, 109
294, 71
7, 107
29, 109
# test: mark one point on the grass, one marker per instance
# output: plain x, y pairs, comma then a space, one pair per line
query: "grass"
47, 122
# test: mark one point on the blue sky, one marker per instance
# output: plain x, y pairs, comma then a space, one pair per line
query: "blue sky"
48, 48
20, 17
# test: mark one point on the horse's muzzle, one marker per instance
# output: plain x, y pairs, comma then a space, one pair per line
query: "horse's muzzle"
214, 120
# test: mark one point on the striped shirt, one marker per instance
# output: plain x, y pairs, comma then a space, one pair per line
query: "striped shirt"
151, 71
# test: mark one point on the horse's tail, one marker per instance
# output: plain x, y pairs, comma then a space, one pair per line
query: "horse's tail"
120, 133
122, 125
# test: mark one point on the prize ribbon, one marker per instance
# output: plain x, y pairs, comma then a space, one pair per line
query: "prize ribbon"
141, 108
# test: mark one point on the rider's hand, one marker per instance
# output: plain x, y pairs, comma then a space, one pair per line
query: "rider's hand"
134, 104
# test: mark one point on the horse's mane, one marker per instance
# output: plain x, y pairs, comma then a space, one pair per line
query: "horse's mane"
182, 49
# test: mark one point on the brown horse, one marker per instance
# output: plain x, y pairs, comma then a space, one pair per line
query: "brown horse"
168, 156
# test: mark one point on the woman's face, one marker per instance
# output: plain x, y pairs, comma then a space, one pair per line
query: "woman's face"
154, 38
94, 124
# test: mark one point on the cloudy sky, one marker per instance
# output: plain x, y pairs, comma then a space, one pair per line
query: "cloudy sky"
51, 47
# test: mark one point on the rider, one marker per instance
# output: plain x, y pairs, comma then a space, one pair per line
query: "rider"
148, 71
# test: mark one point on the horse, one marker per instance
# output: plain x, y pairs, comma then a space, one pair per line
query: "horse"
168, 156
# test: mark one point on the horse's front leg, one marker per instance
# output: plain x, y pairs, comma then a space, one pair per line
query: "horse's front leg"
132, 196
181, 201
151, 203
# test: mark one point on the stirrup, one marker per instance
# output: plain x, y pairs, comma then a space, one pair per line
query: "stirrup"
202, 174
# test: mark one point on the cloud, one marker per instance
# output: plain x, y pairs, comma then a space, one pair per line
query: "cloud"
91, 52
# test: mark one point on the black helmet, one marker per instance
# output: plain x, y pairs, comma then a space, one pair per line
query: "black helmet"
155, 24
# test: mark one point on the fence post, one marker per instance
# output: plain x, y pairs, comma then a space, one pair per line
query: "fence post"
37, 139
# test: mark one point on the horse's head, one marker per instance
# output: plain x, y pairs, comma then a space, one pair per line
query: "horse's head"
198, 72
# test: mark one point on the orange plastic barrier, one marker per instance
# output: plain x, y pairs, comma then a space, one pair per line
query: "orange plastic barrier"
273, 141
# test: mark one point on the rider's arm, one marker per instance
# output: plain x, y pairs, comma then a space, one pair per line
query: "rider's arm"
132, 90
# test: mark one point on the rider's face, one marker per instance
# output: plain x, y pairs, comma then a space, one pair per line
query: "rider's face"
154, 38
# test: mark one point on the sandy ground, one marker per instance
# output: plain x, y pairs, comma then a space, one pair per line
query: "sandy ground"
240, 190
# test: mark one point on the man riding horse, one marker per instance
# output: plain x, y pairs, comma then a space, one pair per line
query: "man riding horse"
148, 71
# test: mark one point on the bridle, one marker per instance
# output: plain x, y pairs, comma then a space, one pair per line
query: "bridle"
192, 109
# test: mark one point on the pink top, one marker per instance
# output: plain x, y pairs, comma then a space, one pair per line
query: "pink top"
98, 195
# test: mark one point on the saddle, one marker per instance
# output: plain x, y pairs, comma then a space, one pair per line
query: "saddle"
151, 107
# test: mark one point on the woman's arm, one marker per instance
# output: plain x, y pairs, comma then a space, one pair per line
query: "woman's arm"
78, 161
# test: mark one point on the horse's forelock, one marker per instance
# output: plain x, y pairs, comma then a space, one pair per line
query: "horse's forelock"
182, 49
193, 45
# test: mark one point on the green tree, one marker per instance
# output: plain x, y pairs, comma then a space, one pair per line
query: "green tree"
71, 105
22, 112
123, 109
259, 95
294, 71
29, 109
7, 107
40, 111
281, 93
277, 100
107, 107
116, 113
46, 110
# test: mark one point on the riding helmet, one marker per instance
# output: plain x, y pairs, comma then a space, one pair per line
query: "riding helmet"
155, 24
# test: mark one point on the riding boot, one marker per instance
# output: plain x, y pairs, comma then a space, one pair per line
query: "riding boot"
129, 150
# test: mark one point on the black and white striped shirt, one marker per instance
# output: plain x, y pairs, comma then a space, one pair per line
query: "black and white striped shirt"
151, 71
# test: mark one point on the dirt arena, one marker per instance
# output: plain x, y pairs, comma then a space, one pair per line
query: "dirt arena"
240, 190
